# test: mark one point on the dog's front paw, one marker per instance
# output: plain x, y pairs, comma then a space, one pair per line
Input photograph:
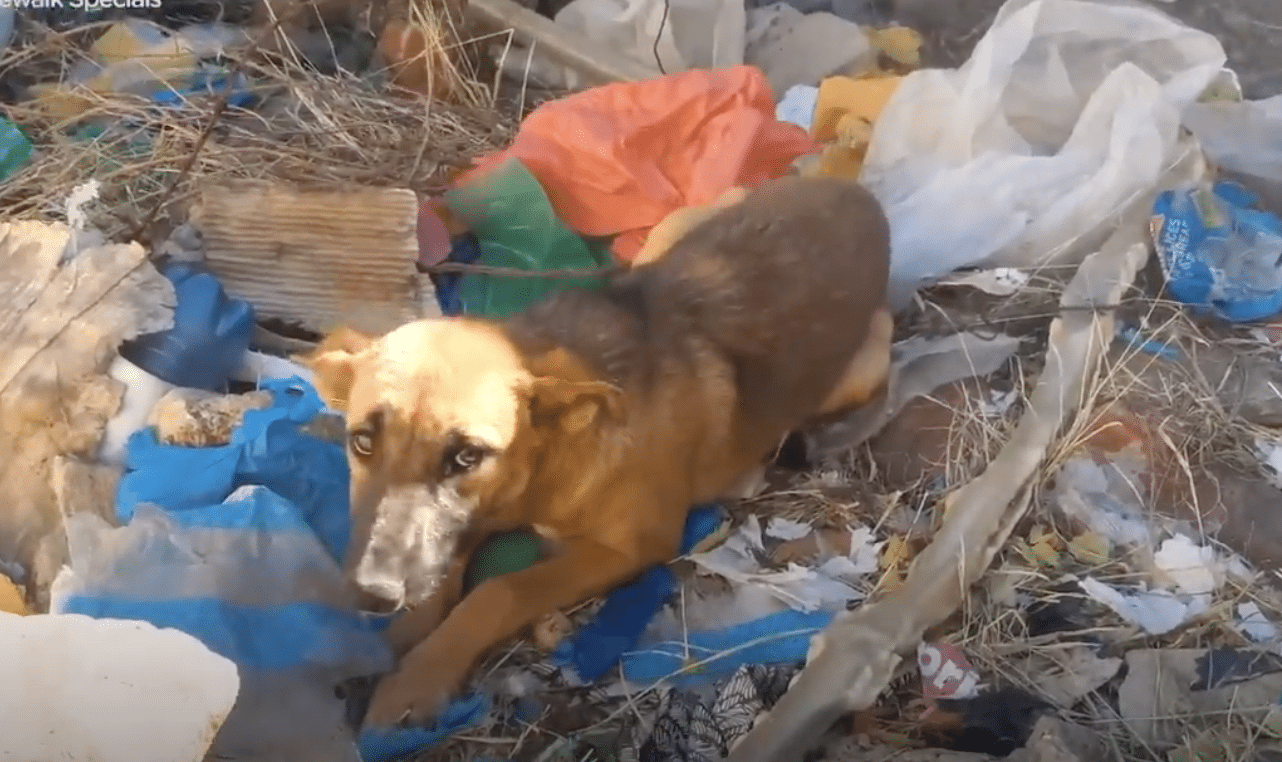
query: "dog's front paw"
401, 700
415, 693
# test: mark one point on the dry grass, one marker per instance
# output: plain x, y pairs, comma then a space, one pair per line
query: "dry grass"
1190, 420
1193, 424
307, 128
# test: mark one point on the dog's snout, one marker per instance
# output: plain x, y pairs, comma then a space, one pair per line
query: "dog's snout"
380, 597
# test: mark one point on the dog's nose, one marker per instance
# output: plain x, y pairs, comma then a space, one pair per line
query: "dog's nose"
380, 597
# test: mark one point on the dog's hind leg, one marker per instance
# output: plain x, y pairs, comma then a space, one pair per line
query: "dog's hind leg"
750, 485
868, 369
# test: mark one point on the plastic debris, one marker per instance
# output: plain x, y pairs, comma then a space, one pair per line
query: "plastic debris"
1195, 569
141, 58
1155, 611
210, 336
620, 176
15, 149
1219, 251
999, 281
1255, 625
1240, 135
239, 545
1066, 113
515, 226
829, 587
627, 612
946, 673
795, 48
798, 106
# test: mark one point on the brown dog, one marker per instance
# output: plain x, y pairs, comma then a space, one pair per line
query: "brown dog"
597, 418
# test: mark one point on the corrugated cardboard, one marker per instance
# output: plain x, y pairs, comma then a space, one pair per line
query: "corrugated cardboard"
320, 259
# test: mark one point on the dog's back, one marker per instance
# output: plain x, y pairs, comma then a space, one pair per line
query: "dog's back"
782, 287
785, 284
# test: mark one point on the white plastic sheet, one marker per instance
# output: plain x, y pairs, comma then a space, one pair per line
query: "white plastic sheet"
1241, 136
665, 35
1067, 112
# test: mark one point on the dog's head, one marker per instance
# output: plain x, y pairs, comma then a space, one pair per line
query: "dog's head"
445, 420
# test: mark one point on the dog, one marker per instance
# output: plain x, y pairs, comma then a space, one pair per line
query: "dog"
597, 418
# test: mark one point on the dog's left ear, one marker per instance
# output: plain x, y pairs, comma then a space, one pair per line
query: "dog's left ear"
572, 406
334, 365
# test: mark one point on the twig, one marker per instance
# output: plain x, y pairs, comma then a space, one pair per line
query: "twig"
516, 272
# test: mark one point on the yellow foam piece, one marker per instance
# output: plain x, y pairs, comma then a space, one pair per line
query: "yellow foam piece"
11, 600
900, 44
845, 111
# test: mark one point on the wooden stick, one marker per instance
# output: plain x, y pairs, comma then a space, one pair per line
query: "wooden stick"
594, 61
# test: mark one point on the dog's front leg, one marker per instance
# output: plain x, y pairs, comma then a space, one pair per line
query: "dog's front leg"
413, 627
496, 610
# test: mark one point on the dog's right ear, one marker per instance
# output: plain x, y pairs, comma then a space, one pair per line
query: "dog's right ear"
572, 406
333, 363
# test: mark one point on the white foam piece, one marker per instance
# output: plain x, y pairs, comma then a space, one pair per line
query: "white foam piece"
108, 690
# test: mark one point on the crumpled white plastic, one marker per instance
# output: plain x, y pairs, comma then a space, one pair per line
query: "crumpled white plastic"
1067, 112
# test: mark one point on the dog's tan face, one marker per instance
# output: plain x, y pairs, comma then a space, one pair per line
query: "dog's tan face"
441, 417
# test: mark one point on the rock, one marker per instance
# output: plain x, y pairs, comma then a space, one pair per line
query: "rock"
106, 690
195, 418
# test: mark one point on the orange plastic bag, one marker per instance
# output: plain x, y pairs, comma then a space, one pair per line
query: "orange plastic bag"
617, 159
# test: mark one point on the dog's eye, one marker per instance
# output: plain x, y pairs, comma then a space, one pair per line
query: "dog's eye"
361, 443
465, 459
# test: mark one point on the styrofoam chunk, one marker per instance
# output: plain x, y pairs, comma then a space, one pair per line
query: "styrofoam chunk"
108, 690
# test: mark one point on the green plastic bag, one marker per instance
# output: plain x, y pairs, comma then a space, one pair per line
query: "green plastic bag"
502, 554
515, 224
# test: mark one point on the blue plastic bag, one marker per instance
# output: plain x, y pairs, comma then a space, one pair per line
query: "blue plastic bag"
210, 335
627, 611
1220, 253
241, 546
269, 449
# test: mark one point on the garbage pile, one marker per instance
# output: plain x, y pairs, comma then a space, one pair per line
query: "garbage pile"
1065, 506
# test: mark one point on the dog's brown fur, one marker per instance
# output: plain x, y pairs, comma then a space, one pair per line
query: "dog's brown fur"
597, 418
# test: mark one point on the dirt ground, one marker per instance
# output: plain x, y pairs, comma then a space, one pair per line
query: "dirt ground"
1251, 31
